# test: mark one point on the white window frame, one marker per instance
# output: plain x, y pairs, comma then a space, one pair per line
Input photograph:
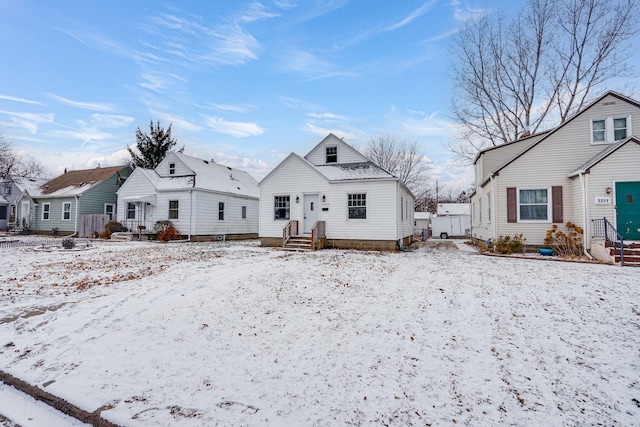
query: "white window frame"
489, 207
46, 211
113, 210
66, 211
326, 153
174, 211
172, 168
609, 130
351, 205
549, 218
130, 208
243, 212
285, 203
480, 210
220, 211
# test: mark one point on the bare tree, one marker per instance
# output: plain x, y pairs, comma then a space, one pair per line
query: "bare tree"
13, 164
401, 158
512, 79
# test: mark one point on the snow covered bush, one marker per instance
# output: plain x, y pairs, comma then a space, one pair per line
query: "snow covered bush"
68, 243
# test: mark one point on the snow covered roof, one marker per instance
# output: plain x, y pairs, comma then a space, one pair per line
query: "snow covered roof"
3, 201
74, 183
454, 208
27, 183
210, 176
351, 171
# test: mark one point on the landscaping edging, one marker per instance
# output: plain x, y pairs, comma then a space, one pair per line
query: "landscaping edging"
57, 403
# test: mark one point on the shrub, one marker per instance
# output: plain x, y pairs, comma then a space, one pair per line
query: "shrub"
567, 243
68, 243
509, 245
166, 231
115, 227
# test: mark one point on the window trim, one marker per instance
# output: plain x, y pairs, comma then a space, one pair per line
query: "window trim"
349, 207
609, 129
174, 210
113, 210
626, 128
46, 209
549, 204
333, 155
286, 198
65, 211
243, 212
489, 207
220, 211
172, 168
130, 208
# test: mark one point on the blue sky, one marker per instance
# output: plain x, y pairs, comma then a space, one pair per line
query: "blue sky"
242, 82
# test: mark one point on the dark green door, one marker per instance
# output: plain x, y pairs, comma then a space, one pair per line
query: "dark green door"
628, 209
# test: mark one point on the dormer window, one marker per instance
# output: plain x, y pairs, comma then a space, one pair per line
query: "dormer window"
172, 168
619, 129
599, 130
332, 154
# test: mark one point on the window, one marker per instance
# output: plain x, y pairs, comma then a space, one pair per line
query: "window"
281, 207
131, 211
619, 129
3, 212
66, 211
244, 212
220, 211
46, 211
402, 208
533, 205
172, 168
489, 206
598, 130
332, 154
108, 210
173, 209
357, 205
480, 209
7, 189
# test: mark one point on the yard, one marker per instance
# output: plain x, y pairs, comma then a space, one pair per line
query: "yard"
233, 334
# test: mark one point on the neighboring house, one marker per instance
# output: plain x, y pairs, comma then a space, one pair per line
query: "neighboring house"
60, 203
338, 197
422, 224
11, 190
202, 199
583, 171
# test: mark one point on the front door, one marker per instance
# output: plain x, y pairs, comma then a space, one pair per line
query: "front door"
25, 214
310, 211
628, 209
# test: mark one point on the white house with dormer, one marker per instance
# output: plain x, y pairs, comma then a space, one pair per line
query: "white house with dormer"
338, 196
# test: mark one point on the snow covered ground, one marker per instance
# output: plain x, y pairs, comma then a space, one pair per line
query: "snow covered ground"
233, 334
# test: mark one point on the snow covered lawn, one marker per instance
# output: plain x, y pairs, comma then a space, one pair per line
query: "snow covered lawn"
233, 334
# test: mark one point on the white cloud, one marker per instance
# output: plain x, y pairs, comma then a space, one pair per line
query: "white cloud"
111, 120
324, 131
29, 121
82, 105
16, 99
426, 7
236, 129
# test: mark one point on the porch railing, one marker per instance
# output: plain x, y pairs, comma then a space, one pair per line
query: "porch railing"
138, 227
291, 229
317, 233
602, 228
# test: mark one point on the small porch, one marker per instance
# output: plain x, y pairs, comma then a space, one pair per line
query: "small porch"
292, 240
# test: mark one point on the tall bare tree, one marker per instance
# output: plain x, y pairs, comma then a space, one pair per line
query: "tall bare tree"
12, 163
402, 158
153, 147
519, 77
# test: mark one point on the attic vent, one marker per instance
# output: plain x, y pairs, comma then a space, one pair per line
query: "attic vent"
228, 168
609, 103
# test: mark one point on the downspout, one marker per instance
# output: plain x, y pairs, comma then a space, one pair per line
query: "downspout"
190, 213
75, 227
585, 207
494, 196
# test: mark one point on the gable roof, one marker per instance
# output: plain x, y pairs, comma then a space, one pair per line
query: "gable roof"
27, 183
74, 183
353, 171
206, 175
585, 167
554, 130
334, 140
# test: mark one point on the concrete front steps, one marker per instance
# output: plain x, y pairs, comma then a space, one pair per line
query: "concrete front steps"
299, 243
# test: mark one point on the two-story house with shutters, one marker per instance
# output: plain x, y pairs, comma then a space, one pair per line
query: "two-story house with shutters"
583, 171
334, 197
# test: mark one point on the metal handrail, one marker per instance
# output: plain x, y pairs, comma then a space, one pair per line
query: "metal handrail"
291, 229
604, 229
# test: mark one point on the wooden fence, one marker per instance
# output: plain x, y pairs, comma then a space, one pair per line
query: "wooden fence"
90, 223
